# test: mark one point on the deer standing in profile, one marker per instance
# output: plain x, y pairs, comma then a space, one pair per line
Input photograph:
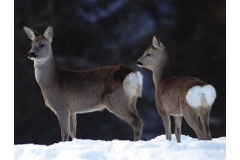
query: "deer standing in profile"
68, 92
187, 97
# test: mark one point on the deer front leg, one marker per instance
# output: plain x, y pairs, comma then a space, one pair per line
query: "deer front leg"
73, 125
178, 124
64, 121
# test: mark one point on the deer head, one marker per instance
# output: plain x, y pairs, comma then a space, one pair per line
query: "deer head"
153, 55
41, 45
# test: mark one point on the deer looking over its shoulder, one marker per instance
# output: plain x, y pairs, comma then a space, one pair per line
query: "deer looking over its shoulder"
187, 97
68, 92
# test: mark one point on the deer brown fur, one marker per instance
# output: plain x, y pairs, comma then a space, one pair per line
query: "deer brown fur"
68, 92
187, 97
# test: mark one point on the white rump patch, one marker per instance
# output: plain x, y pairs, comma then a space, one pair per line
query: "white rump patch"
201, 96
132, 84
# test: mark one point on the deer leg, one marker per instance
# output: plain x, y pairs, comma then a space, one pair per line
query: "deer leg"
137, 125
178, 123
204, 117
132, 105
64, 121
167, 125
125, 109
138, 121
194, 123
73, 124
135, 121
131, 118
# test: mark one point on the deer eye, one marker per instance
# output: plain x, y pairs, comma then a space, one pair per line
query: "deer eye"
41, 45
148, 55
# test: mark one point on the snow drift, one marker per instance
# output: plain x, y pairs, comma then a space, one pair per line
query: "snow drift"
155, 149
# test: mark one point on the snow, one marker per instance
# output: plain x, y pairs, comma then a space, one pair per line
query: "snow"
154, 149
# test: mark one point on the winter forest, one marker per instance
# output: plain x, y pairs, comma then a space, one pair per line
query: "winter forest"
97, 33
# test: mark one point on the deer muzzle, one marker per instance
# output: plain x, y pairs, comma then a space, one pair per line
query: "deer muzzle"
31, 55
139, 63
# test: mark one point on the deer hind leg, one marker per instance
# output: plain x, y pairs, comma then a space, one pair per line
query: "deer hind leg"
137, 125
126, 114
138, 121
192, 119
178, 124
73, 124
204, 117
133, 120
166, 123
64, 121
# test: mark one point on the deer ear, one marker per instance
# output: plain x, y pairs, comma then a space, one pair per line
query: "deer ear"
48, 34
29, 33
156, 42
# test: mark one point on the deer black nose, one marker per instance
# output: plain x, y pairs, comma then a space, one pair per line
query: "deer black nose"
139, 63
31, 55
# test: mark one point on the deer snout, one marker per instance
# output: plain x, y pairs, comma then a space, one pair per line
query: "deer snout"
31, 55
139, 63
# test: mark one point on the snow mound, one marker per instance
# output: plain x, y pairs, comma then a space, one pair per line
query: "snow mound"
154, 149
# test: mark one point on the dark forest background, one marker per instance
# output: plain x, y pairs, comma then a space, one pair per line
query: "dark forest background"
96, 33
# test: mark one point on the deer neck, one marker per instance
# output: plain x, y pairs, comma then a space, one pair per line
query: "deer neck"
161, 71
44, 71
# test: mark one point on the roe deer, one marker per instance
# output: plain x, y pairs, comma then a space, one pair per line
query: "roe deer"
189, 97
68, 92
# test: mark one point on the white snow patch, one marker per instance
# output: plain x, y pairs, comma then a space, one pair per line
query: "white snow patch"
132, 83
196, 93
154, 149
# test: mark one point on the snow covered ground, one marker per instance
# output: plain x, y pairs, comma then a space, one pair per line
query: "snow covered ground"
155, 149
